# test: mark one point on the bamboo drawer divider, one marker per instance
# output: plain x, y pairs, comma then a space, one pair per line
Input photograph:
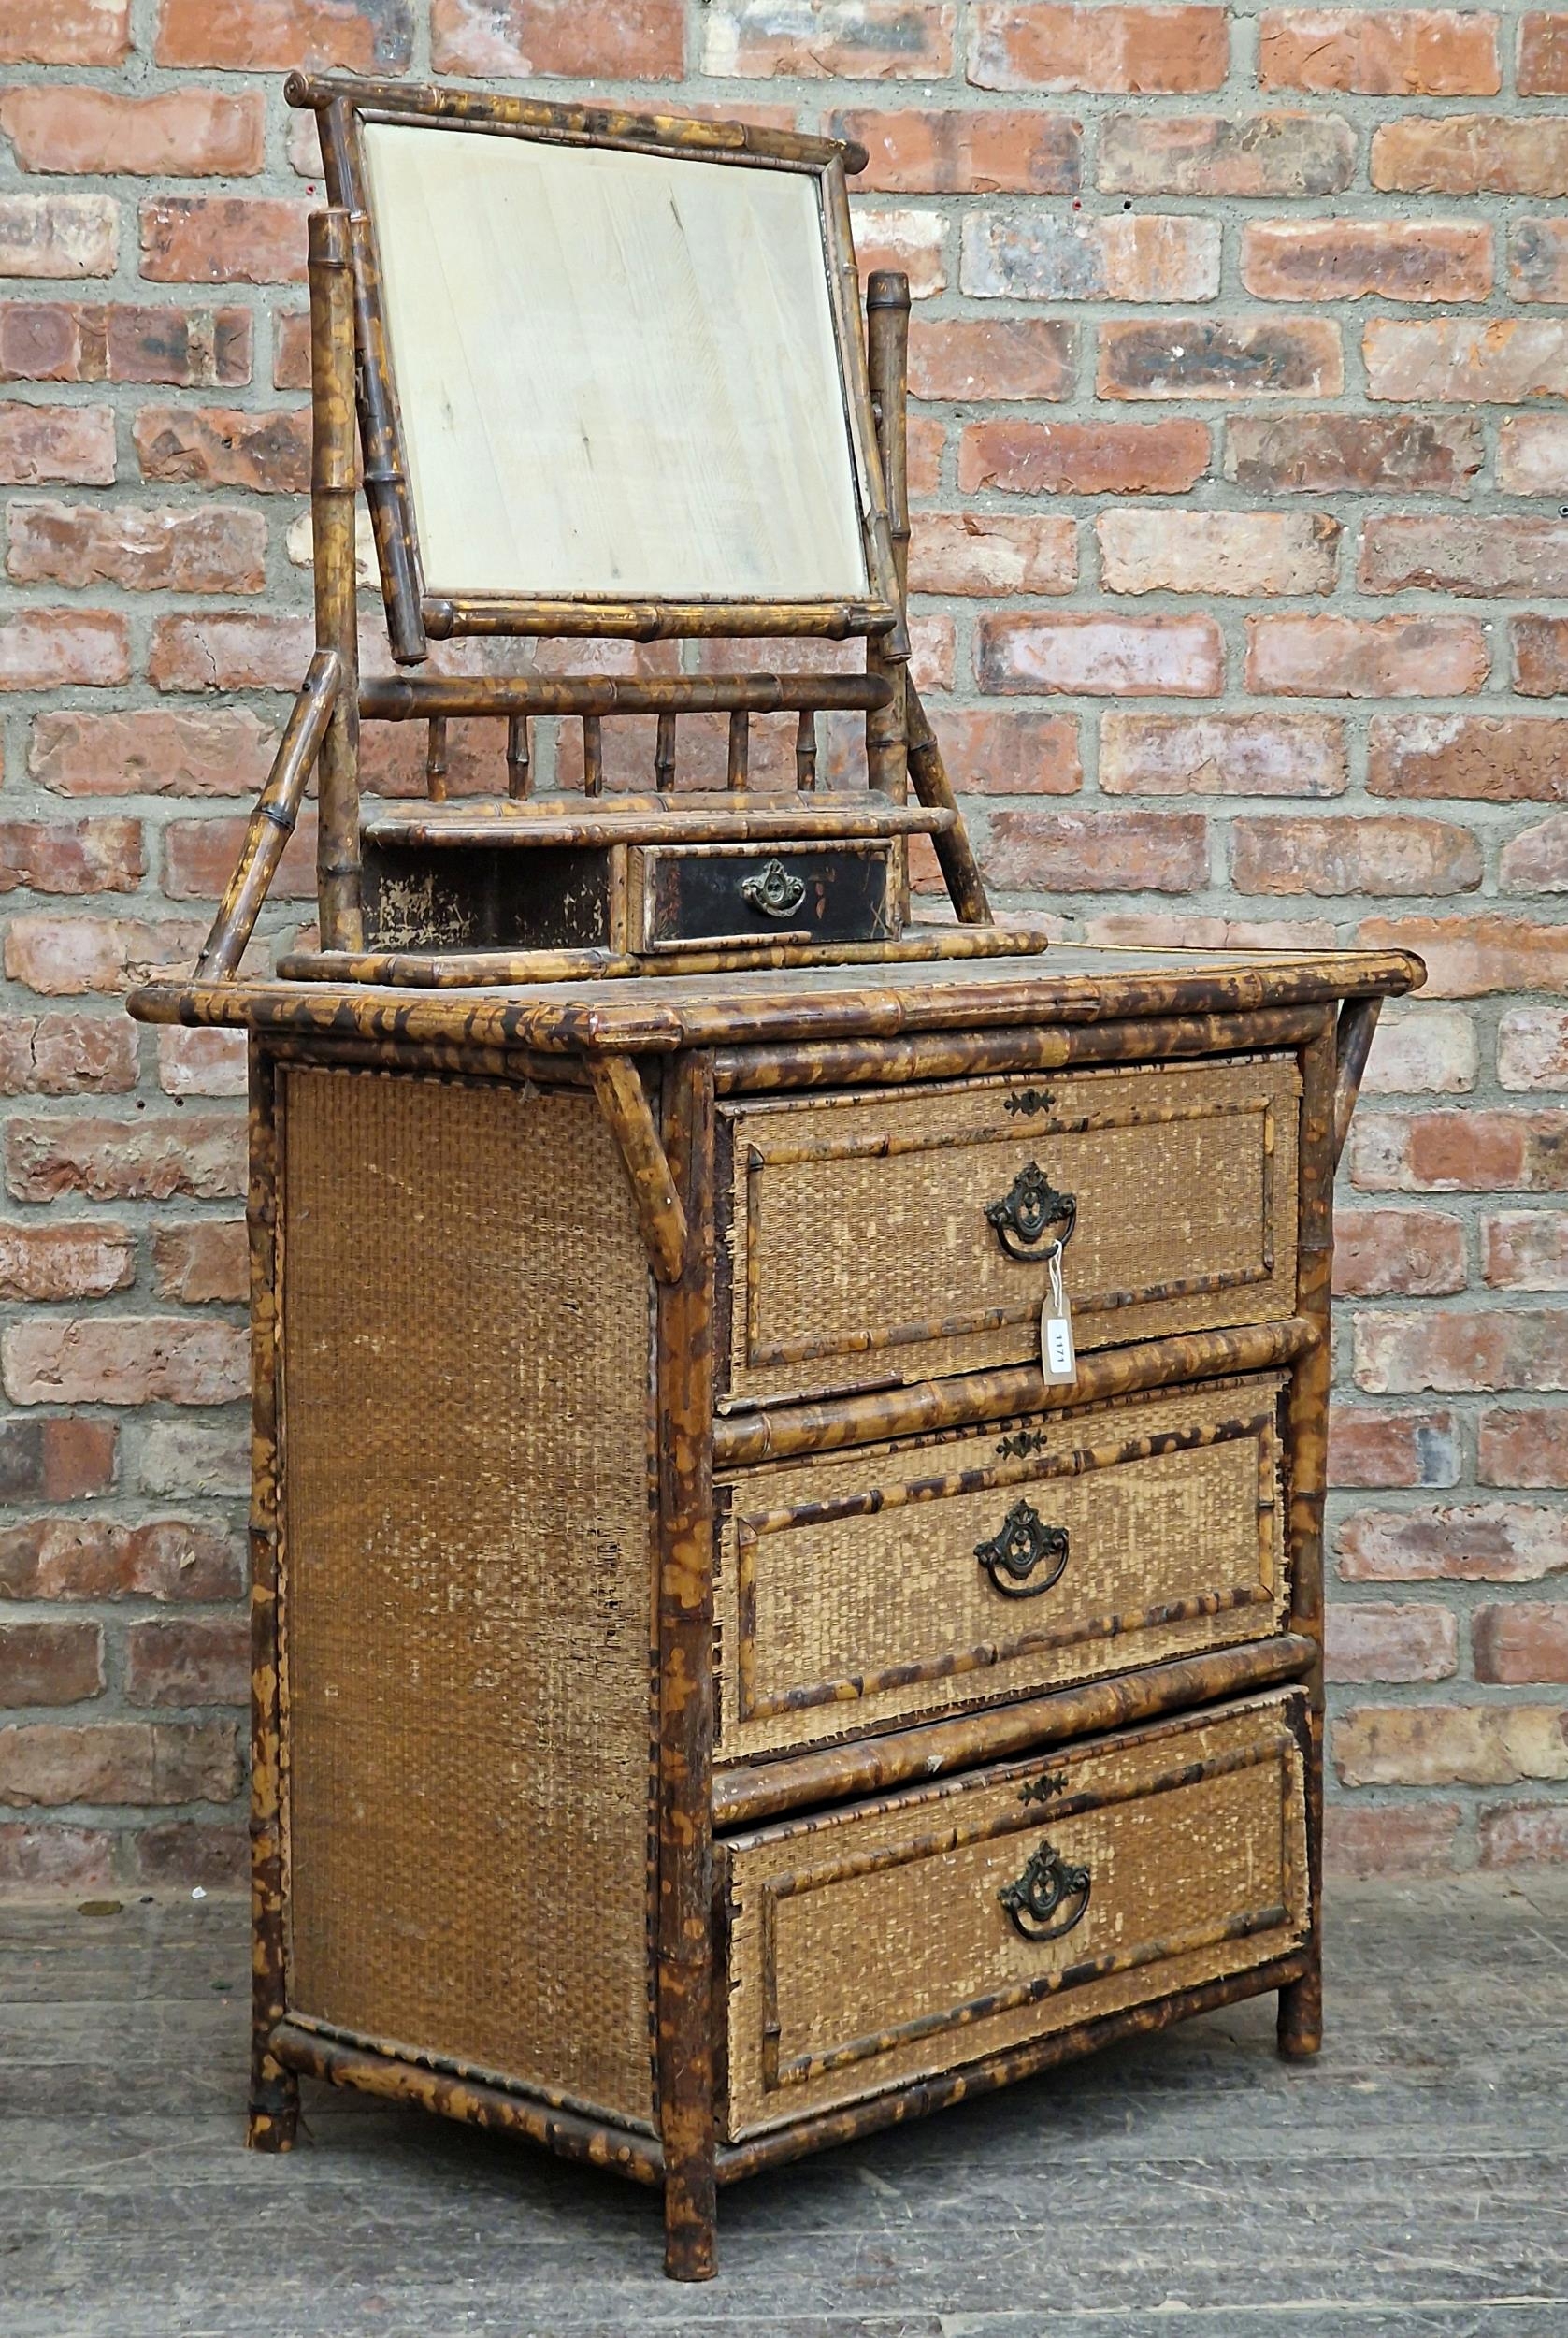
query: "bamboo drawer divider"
714, 1697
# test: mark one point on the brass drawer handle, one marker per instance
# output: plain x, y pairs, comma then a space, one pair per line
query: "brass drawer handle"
1022, 1542
774, 891
1048, 1884
1030, 1207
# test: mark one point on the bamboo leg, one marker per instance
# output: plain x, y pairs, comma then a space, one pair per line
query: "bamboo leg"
332, 505
1301, 2002
684, 1930
274, 2108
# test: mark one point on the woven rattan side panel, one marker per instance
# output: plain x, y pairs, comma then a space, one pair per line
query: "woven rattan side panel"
467, 1589
872, 1945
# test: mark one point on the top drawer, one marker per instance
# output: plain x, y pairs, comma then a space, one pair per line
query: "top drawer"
897, 1234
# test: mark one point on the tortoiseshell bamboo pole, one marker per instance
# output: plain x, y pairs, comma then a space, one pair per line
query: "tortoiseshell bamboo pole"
843, 293
664, 754
274, 2106
623, 1101
593, 756
739, 752
462, 970
332, 525
399, 698
273, 820
683, 1932
1357, 1028
955, 853
386, 487
1300, 2005
805, 752
887, 346
446, 617
436, 761
519, 758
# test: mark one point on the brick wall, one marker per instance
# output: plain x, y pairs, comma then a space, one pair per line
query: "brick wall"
1241, 457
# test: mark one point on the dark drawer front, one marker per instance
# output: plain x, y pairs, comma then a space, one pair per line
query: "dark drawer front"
742, 894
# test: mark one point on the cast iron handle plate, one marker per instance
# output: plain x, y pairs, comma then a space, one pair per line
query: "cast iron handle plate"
1047, 1886
774, 891
1021, 1543
1028, 1209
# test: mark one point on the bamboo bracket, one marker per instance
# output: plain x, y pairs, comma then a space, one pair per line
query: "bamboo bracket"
272, 819
1357, 1025
623, 1101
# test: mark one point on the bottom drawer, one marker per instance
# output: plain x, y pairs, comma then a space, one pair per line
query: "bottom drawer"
888, 1942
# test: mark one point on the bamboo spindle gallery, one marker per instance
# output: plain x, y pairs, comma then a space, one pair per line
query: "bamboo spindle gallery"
715, 1693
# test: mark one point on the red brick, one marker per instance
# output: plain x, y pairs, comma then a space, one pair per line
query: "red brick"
1523, 1833
1480, 555
623, 39
72, 340
1383, 1449
1495, 758
222, 240
64, 31
1353, 453
1525, 1640
201, 1062
1097, 852
291, 349
1361, 658
102, 855
188, 1660
987, 553
62, 956
1533, 454
1370, 1843
201, 1262
146, 550
1368, 1639
1042, 45
149, 751
965, 358
56, 446
143, 1159
1525, 1250
1220, 154
1226, 357
240, 36
41, 649
956, 151
1083, 457
52, 1858
59, 235
1490, 360
70, 1261
1387, 52
1008, 752
1440, 1745
1413, 1253
124, 1360
909, 241
1475, 1542
199, 856
1430, 1049
1253, 554
1543, 60
1532, 1047
932, 652
1468, 957
1540, 660
1523, 1445
187, 1852
1033, 255
139, 1763
1329, 259
927, 438
1537, 260
182, 134
1472, 155
56, 1460
50, 1663
1230, 754
1167, 930
100, 1558
1465, 1151
196, 1459
225, 651
1451, 1350
1100, 656
1536, 860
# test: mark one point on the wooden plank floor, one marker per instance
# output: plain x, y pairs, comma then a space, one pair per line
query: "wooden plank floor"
1413, 2184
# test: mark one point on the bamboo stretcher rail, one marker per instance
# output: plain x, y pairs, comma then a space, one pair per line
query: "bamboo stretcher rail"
456, 616
273, 819
688, 819
466, 970
400, 698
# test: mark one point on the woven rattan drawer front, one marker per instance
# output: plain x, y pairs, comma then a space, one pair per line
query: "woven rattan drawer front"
893, 1940
863, 1589
896, 1233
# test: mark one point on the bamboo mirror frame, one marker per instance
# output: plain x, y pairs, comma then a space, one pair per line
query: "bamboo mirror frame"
764, 508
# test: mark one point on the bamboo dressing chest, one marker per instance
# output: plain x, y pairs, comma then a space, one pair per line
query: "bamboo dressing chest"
712, 1695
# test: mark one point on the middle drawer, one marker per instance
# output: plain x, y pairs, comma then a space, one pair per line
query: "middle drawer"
860, 1590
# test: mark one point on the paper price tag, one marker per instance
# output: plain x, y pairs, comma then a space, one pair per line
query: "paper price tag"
1058, 1362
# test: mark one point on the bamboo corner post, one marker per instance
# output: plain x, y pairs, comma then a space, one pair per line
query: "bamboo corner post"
334, 476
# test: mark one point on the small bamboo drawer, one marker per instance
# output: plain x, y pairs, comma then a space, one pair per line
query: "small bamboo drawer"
898, 1233
736, 895
858, 1591
895, 1939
